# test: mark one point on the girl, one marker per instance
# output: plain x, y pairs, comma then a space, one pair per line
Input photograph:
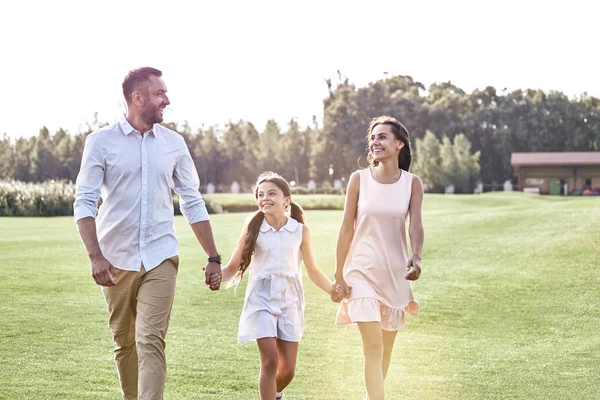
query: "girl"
372, 255
272, 246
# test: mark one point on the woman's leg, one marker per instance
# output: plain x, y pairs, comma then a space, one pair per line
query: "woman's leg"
288, 354
372, 338
388, 345
268, 368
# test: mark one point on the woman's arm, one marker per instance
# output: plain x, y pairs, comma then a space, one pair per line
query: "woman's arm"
415, 230
346, 232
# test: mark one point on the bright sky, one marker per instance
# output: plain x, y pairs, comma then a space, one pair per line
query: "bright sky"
61, 61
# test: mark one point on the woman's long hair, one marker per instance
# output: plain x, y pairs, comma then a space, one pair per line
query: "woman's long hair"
400, 132
255, 221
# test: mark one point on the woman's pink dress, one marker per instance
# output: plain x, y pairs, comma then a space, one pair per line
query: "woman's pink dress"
375, 267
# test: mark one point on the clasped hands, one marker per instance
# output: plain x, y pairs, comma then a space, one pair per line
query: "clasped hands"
212, 275
340, 289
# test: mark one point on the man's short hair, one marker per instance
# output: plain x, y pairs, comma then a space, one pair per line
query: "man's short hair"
136, 79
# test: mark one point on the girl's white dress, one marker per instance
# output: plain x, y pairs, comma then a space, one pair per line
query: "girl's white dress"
274, 302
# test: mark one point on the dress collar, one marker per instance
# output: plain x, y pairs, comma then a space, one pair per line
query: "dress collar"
291, 225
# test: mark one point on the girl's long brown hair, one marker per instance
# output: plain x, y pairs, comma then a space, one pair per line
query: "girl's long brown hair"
255, 221
400, 133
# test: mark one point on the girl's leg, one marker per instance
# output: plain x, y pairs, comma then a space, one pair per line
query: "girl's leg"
288, 354
388, 345
372, 338
268, 368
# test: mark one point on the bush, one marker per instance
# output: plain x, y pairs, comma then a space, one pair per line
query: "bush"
211, 206
55, 198
301, 190
244, 202
51, 198
321, 202
328, 189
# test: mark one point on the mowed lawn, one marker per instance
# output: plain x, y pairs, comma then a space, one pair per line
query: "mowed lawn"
510, 309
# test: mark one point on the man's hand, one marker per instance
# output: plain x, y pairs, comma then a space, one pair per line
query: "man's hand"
103, 272
212, 275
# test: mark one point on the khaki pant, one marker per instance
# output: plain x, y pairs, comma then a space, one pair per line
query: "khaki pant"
139, 309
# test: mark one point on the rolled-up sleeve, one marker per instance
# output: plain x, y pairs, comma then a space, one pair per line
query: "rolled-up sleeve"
89, 180
186, 185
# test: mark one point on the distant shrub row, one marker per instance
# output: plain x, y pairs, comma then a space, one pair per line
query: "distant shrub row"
55, 198
320, 190
50, 198
229, 202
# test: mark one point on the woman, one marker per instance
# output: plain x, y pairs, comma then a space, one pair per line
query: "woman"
372, 256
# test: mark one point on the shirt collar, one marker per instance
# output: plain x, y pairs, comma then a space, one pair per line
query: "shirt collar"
291, 225
128, 129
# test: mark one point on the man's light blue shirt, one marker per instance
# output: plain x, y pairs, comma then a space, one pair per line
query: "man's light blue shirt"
134, 174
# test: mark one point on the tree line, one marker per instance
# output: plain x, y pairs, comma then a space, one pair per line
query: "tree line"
457, 137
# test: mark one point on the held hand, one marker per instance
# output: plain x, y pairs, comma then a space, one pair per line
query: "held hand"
342, 287
212, 275
336, 293
103, 272
414, 269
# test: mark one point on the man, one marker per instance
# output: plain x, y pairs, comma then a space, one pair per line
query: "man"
133, 165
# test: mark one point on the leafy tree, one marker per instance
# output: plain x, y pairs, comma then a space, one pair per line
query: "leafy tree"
44, 163
427, 163
318, 170
7, 166
465, 165
23, 147
270, 147
209, 157
446, 105
252, 151
296, 146
447, 162
239, 154
343, 129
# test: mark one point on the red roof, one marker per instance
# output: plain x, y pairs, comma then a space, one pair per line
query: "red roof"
560, 158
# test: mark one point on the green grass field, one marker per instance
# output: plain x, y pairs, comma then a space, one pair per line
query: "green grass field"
510, 309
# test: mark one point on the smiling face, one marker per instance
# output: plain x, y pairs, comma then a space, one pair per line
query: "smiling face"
271, 199
155, 100
383, 143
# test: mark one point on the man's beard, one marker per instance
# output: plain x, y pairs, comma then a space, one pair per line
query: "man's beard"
152, 116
